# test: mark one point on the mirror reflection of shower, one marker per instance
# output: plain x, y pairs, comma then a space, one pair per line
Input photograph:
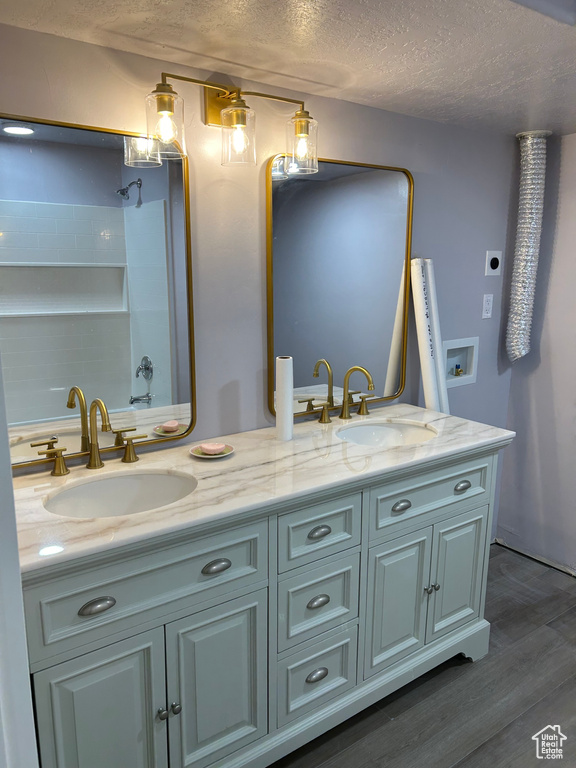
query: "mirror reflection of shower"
125, 193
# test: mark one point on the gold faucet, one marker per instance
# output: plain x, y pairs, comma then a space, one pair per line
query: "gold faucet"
330, 398
345, 412
95, 462
77, 392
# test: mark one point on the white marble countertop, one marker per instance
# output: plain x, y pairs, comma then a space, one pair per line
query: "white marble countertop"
262, 472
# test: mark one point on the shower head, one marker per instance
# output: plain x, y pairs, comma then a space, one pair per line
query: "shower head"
124, 193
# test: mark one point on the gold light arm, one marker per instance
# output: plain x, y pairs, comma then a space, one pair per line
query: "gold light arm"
213, 102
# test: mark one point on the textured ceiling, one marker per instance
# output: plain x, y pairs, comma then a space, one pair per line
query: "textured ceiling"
479, 63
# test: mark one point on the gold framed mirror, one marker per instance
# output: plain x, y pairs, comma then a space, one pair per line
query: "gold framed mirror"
338, 276
95, 288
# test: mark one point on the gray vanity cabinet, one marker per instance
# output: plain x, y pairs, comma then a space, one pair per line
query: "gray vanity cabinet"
113, 708
422, 586
98, 710
232, 648
216, 665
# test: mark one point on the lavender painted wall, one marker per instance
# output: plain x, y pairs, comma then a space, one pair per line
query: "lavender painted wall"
339, 249
538, 478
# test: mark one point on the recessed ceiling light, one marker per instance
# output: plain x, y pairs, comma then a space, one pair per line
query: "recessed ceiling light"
17, 130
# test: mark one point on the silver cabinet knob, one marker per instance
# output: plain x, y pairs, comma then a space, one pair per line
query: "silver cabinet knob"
428, 590
462, 486
436, 587
318, 602
219, 565
163, 714
319, 532
317, 675
176, 708
401, 506
96, 606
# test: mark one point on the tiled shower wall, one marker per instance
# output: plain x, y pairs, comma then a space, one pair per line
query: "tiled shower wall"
146, 256
45, 352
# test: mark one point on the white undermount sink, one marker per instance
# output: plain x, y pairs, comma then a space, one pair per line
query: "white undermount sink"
386, 434
120, 494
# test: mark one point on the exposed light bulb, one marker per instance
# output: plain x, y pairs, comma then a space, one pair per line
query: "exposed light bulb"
166, 129
239, 140
302, 148
143, 144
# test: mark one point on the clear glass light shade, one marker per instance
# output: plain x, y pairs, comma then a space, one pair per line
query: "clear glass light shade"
279, 168
238, 136
165, 123
141, 152
301, 144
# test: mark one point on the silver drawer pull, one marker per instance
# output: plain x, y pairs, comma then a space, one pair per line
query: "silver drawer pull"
176, 708
163, 714
462, 486
319, 532
318, 602
436, 587
317, 675
96, 606
217, 566
401, 506
428, 590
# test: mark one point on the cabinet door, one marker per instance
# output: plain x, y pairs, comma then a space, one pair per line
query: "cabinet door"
457, 569
398, 573
100, 709
217, 673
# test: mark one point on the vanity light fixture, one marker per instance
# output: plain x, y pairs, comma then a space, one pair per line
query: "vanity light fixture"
141, 152
225, 106
17, 130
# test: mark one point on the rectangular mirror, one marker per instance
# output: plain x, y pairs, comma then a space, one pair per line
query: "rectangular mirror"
338, 258
95, 286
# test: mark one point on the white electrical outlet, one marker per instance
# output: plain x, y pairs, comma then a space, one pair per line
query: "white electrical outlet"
493, 263
487, 305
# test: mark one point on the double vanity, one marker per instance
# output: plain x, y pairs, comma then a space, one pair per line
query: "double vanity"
284, 588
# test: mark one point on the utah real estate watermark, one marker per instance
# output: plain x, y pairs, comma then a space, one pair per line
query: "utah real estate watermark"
549, 743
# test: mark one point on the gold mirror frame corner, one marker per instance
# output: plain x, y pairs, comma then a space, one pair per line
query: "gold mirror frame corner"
160, 441
270, 282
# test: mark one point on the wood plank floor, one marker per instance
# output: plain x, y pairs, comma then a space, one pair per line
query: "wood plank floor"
482, 714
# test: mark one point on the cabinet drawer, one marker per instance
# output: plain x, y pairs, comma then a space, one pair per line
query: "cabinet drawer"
452, 487
318, 531
67, 612
315, 675
318, 600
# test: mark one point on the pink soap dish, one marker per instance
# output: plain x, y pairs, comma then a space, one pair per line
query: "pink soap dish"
211, 450
170, 431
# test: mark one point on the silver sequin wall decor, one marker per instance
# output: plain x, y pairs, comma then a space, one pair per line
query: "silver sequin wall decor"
526, 251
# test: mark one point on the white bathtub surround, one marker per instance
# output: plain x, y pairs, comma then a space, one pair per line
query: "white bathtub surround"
262, 473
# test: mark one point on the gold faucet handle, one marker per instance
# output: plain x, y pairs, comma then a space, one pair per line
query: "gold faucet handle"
129, 452
350, 398
60, 467
48, 443
119, 441
325, 415
363, 410
310, 406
